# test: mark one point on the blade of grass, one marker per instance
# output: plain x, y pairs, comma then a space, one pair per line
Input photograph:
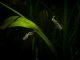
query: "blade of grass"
11, 9
24, 22
29, 24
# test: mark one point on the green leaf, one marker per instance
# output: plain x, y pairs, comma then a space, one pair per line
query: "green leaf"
24, 22
21, 21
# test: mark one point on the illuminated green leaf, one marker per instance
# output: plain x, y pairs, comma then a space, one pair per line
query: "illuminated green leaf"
21, 21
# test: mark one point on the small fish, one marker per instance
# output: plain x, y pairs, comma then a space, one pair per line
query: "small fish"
56, 23
27, 35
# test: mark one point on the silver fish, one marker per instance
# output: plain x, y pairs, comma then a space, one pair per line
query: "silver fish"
27, 35
56, 23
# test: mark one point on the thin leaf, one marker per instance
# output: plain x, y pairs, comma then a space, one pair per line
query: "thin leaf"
24, 22
11, 9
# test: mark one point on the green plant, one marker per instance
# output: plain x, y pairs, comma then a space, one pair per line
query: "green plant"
22, 21
65, 39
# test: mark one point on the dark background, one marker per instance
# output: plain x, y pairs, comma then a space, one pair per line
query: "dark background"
11, 43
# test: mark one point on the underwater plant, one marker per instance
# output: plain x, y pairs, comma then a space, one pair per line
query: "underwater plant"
22, 21
64, 39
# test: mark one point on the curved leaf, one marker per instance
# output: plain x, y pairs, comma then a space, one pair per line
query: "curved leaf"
14, 21
23, 22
